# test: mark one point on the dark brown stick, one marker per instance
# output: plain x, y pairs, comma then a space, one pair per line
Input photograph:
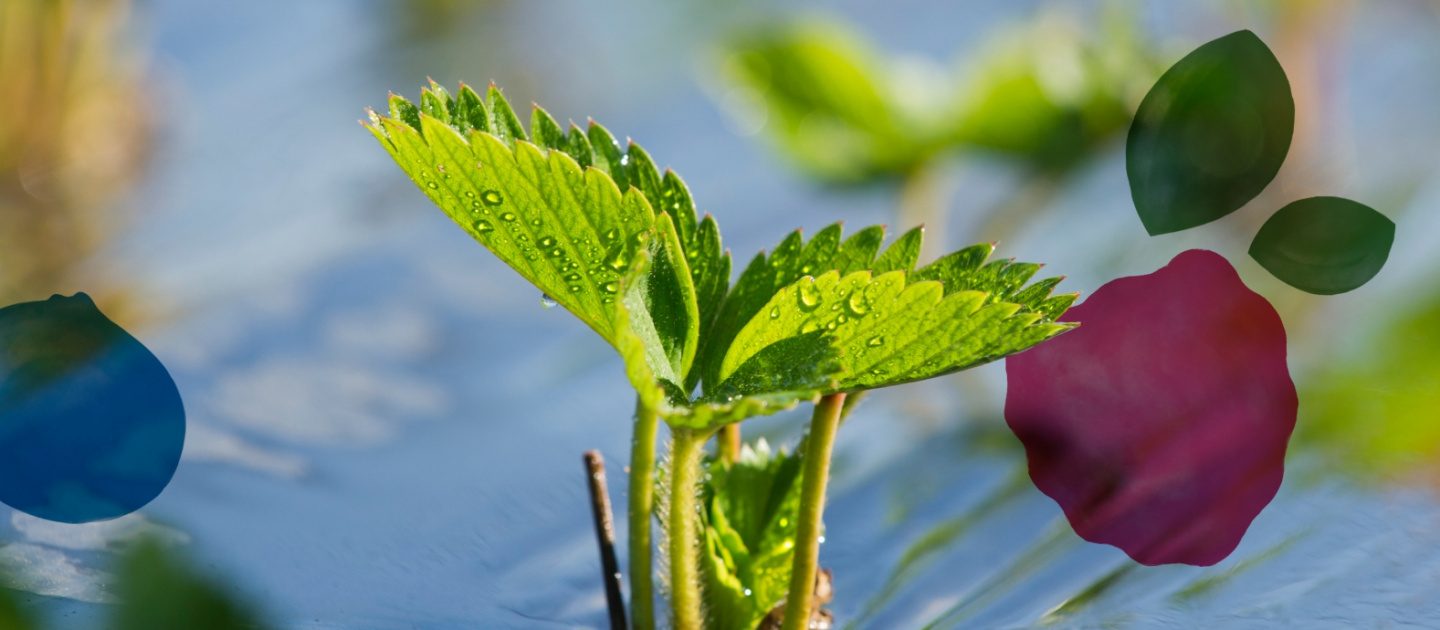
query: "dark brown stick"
605, 536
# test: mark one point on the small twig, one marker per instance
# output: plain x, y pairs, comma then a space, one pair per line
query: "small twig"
605, 536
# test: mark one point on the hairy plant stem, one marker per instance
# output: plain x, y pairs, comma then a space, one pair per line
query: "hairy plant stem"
818, 444
641, 506
683, 531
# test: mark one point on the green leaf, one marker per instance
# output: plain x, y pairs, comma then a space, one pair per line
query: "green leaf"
751, 512
566, 230
1324, 245
566, 210
652, 373
791, 260
891, 331
707, 414
902, 255
659, 306
1210, 135
828, 103
157, 591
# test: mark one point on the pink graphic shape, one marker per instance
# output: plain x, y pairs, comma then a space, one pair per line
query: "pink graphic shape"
1160, 424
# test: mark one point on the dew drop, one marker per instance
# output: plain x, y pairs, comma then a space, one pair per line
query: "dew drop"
809, 295
491, 197
611, 287
858, 304
432, 185
575, 288
482, 226
618, 262
547, 301
508, 216
573, 277
548, 241
876, 341
611, 235
774, 312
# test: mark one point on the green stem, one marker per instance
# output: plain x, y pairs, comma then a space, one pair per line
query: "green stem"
683, 532
641, 506
819, 443
727, 444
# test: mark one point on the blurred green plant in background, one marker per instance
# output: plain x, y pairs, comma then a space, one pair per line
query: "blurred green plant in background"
1375, 409
74, 132
1043, 96
12, 615
156, 588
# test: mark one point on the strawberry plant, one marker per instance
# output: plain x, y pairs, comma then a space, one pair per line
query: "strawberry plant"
601, 231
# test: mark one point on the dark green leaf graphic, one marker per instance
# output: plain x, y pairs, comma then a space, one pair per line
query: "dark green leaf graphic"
1210, 135
1324, 245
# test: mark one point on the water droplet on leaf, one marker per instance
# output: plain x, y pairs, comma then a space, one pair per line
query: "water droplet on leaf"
858, 304
809, 295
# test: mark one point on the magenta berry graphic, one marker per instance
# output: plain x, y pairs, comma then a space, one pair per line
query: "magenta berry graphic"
1160, 424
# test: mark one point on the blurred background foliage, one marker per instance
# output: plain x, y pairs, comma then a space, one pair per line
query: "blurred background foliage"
199, 161
74, 134
1374, 409
1044, 94
155, 588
